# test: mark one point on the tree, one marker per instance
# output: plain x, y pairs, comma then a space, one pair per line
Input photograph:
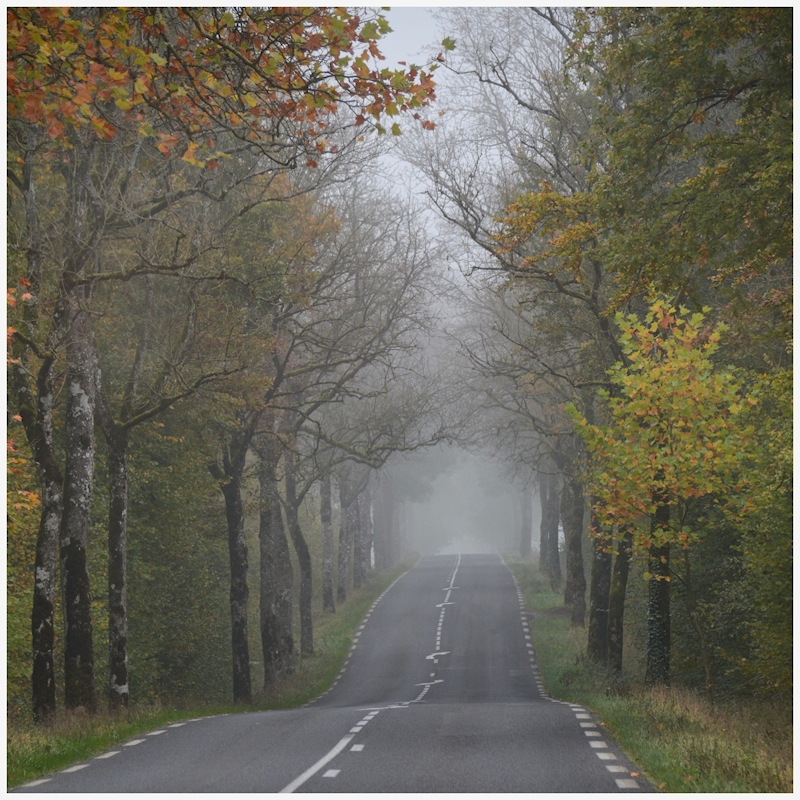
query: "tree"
675, 438
192, 84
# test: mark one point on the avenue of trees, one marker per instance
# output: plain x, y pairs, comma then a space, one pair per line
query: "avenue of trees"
622, 184
207, 301
225, 332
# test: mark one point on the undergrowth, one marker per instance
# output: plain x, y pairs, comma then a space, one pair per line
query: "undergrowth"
680, 741
33, 751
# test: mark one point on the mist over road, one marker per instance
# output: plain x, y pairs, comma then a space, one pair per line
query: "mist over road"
440, 693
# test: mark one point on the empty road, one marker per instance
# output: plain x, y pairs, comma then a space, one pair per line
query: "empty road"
440, 693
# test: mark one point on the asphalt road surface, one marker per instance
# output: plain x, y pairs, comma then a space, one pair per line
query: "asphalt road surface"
440, 693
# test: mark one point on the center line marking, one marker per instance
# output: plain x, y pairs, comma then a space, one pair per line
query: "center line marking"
315, 768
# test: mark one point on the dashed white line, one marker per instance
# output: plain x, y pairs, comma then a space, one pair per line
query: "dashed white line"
75, 768
357, 748
315, 768
331, 773
133, 742
36, 783
598, 745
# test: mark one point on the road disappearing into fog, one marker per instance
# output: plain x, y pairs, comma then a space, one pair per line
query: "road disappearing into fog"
440, 693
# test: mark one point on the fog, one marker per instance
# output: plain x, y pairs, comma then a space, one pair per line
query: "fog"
465, 504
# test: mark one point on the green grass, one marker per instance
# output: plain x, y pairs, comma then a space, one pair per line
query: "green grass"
34, 751
680, 741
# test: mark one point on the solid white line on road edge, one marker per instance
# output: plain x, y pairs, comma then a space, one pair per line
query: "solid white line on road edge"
315, 768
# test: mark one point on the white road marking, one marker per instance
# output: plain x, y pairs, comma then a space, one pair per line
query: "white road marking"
616, 768
108, 755
155, 733
598, 745
357, 729
606, 756
36, 783
583, 716
315, 768
176, 725
133, 742
331, 773
437, 654
588, 725
357, 748
432, 683
626, 783
75, 768
593, 733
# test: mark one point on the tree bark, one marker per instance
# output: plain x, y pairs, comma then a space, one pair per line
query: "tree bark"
616, 600
118, 571
328, 598
572, 514
303, 558
229, 480
526, 523
549, 561
79, 689
658, 608
358, 541
599, 595
345, 540
277, 640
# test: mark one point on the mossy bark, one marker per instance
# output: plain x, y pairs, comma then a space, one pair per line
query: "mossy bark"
325, 515
572, 515
616, 600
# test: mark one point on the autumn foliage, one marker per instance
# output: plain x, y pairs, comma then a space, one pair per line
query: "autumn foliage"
203, 72
677, 430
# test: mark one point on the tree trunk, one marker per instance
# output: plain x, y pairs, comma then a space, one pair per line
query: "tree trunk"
79, 690
328, 598
367, 530
239, 594
599, 595
549, 560
572, 514
658, 611
303, 558
277, 640
526, 523
36, 412
345, 540
616, 600
118, 570
358, 542
37, 420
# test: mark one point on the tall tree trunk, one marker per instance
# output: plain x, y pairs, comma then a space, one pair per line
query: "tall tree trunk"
357, 536
328, 598
549, 560
345, 540
599, 595
239, 593
526, 523
368, 531
303, 558
658, 607
572, 514
36, 412
37, 420
616, 600
229, 480
118, 570
277, 640
79, 689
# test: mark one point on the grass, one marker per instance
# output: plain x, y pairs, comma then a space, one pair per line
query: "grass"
34, 751
680, 741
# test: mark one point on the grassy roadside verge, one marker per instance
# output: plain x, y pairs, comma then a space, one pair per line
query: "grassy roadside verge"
680, 741
34, 751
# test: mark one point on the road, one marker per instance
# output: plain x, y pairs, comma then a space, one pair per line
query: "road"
440, 693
